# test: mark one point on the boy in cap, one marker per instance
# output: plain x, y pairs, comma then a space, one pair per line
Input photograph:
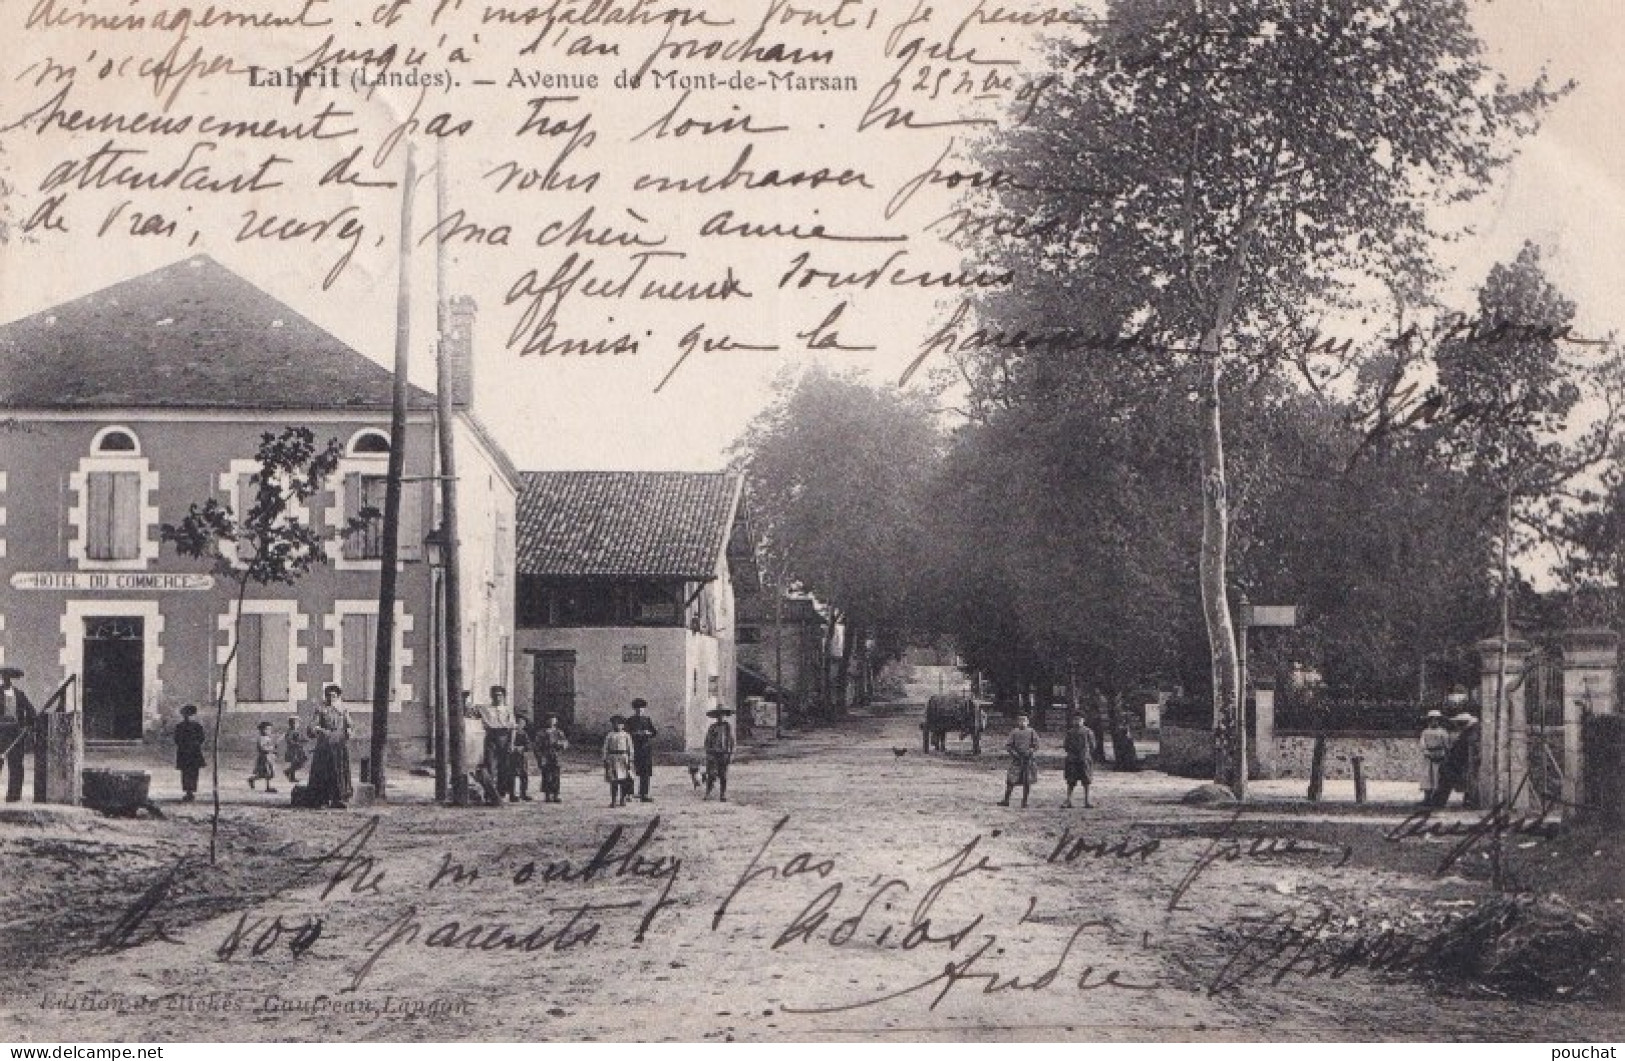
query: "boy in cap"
641, 729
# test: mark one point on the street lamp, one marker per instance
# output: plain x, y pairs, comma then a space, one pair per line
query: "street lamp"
434, 550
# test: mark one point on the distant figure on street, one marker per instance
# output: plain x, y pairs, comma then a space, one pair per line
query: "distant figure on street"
519, 764
188, 751
499, 722
550, 744
618, 762
329, 732
1023, 748
1460, 768
294, 753
1080, 765
1435, 742
719, 751
17, 716
641, 729
264, 758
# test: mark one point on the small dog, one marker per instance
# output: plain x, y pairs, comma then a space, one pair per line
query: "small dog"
697, 775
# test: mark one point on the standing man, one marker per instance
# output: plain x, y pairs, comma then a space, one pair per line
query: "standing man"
499, 721
550, 744
1023, 749
719, 752
16, 722
641, 729
189, 739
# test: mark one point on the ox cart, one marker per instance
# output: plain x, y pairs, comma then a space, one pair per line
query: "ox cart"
947, 713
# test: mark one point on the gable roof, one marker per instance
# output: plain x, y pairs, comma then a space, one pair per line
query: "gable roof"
625, 524
192, 335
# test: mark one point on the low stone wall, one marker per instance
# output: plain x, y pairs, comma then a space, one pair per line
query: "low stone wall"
1387, 757
1185, 752
1189, 753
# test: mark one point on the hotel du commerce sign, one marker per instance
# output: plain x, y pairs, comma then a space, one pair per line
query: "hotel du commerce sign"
137, 581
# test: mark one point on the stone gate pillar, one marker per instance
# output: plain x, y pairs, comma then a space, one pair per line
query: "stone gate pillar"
1590, 659
1501, 745
59, 756
1264, 727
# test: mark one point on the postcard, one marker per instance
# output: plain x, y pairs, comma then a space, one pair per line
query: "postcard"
784, 520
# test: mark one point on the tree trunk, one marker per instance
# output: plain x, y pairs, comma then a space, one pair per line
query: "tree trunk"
220, 714
843, 672
1229, 767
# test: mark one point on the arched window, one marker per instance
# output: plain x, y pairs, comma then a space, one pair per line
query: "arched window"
369, 443
115, 510
115, 440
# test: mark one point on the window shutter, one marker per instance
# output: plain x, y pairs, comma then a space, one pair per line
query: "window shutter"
274, 658
241, 504
99, 516
355, 545
248, 659
409, 541
127, 529
360, 642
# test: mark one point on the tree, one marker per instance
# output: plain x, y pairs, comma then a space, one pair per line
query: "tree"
266, 545
1208, 173
836, 471
1514, 380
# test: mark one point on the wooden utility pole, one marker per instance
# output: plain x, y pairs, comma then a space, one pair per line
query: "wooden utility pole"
384, 658
452, 617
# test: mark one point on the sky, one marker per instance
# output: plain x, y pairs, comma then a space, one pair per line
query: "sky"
1566, 191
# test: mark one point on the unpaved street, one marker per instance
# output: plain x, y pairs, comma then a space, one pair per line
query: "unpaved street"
845, 892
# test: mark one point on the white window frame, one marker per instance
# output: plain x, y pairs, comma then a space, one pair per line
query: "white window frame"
227, 483
298, 652
333, 659
79, 511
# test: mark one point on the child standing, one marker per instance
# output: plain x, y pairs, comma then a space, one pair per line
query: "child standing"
519, 763
265, 754
618, 762
293, 750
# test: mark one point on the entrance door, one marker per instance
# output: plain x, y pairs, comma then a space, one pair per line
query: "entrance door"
113, 669
554, 687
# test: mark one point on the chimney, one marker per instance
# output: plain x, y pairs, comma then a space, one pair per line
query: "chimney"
459, 340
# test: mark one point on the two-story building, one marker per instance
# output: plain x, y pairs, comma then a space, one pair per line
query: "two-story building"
626, 590
121, 409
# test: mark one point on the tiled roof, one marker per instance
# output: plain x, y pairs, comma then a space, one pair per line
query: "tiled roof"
192, 335
625, 524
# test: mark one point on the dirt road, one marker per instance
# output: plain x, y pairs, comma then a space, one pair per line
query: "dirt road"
846, 891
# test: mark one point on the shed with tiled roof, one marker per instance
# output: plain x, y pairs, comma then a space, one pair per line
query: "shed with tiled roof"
649, 525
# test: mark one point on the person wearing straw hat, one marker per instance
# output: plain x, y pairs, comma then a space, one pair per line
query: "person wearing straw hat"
1435, 743
719, 751
1460, 767
16, 722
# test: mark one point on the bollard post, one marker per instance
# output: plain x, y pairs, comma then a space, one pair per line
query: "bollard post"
1317, 768
1358, 762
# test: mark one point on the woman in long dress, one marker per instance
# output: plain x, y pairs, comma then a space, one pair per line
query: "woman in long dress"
330, 754
1435, 745
1023, 748
618, 762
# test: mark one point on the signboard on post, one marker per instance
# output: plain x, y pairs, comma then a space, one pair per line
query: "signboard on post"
1271, 615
